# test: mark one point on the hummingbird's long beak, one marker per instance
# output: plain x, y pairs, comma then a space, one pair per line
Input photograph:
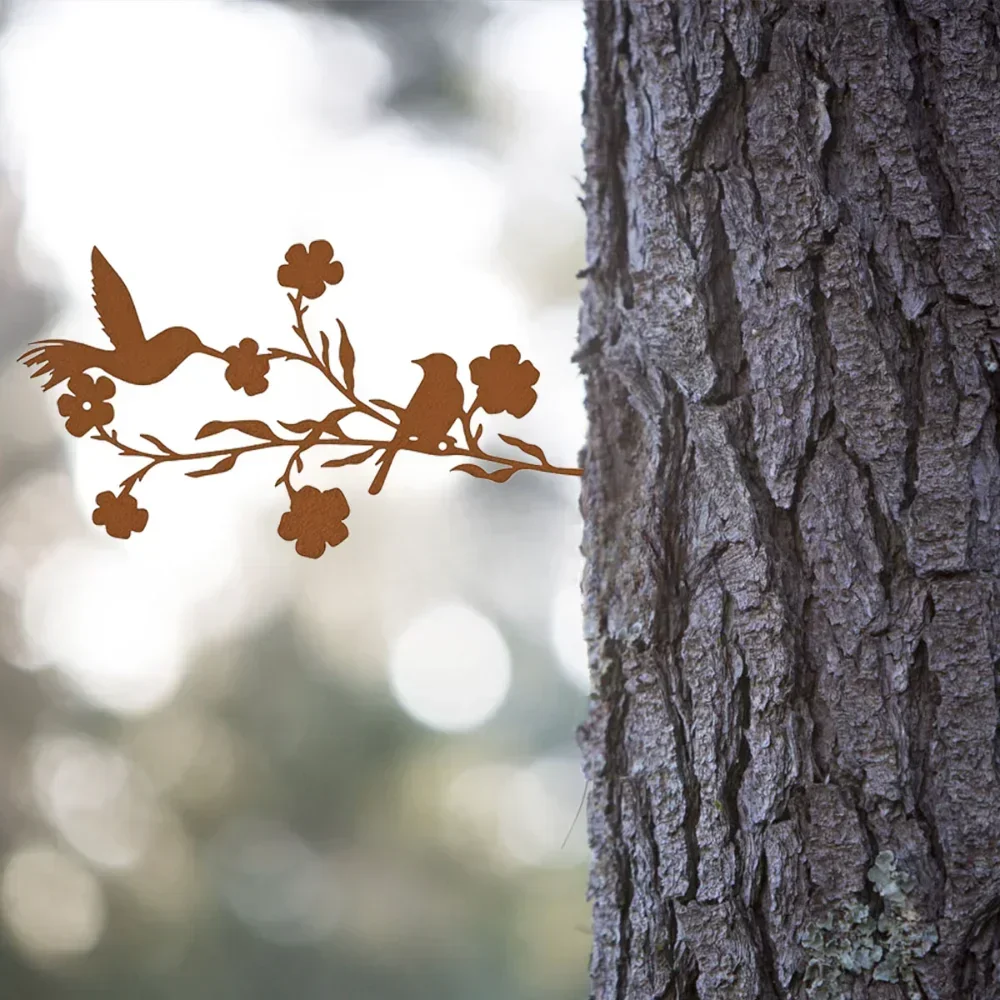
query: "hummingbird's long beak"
212, 351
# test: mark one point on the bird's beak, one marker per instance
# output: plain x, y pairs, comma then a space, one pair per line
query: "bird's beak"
418, 361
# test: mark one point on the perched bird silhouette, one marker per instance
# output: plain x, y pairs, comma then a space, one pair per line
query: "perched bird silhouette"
427, 418
134, 358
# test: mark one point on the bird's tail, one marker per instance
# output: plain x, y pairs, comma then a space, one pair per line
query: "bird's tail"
383, 463
59, 359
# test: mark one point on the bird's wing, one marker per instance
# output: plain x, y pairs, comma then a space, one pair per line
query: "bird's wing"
115, 307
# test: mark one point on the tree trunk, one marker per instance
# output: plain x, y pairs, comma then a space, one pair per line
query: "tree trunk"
792, 498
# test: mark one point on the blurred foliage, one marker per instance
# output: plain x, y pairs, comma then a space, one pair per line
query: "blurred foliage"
425, 41
328, 765
283, 789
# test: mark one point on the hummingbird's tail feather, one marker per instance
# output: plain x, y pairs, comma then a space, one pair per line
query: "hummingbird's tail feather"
59, 359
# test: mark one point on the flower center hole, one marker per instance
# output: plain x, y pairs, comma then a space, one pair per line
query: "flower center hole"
86, 404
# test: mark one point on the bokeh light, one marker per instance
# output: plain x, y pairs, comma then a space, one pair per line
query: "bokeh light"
94, 798
113, 630
52, 905
275, 882
450, 669
567, 635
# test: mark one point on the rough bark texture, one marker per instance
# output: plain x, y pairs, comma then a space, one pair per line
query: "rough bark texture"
792, 498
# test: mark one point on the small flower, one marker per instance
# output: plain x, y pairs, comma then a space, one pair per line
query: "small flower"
505, 381
310, 271
86, 404
315, 520
120, 515
247, 368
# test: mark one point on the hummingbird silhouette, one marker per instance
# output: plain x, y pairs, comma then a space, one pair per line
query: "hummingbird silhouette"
134, 358
424, 423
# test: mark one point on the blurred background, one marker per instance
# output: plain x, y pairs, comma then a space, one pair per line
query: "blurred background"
226, 770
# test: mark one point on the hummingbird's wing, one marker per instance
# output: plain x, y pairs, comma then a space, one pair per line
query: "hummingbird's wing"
115, 307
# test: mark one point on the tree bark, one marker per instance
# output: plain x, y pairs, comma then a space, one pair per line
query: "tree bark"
792, 498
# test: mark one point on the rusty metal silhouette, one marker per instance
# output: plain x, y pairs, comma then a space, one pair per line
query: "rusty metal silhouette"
315, 518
